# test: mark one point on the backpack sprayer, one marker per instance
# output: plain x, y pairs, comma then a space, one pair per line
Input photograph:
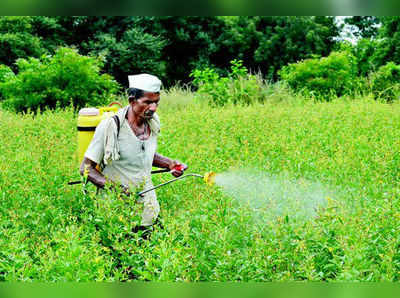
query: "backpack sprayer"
88, 120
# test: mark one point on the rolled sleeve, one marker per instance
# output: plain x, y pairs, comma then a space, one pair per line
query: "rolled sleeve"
95, 151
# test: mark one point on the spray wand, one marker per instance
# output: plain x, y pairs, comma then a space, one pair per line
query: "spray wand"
209, 178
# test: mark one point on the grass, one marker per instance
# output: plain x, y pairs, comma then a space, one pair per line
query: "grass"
50, 231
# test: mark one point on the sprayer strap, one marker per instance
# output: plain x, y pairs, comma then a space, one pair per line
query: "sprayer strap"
116, 119
86, 128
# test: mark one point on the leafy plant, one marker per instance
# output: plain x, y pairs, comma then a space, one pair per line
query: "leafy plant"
385, 82
323, 78
239, 87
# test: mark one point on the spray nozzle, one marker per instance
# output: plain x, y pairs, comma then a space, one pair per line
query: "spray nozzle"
209, 178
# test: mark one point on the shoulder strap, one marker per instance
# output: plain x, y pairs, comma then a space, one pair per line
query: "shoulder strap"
116, 119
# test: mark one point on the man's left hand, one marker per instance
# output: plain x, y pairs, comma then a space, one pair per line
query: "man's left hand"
177, 168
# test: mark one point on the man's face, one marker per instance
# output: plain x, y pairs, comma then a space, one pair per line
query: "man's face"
146, 106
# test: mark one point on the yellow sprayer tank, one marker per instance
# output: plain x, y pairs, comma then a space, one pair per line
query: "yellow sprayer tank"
88, 120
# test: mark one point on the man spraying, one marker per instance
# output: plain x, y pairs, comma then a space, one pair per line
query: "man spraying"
125, 146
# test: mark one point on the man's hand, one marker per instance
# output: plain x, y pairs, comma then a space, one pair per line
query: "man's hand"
177, 168
88, 170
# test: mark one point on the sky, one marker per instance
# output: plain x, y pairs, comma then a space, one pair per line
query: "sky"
346, 33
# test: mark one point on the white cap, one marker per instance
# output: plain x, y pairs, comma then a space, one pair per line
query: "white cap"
145, 82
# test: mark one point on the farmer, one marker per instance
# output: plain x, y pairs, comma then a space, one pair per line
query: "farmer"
125, 147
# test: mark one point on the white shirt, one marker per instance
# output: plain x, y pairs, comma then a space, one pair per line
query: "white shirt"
133, 168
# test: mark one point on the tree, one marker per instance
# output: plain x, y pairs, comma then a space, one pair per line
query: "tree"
388, 49
134, 52
191, 42
171, 47
269, 43
17, 40
363, 26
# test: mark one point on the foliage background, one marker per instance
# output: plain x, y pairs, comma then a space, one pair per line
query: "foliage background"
243, 115
174, 47
171, 46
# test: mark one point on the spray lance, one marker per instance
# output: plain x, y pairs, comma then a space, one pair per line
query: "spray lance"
209, 178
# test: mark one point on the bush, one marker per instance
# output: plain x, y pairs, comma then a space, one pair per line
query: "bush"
239, 87
5, 74
323, 78
64, 79
385, 83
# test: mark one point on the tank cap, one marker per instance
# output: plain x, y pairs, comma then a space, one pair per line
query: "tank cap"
89, 112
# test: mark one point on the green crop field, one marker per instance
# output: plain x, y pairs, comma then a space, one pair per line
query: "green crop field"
50, 231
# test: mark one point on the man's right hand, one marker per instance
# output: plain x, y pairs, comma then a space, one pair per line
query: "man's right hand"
177, 168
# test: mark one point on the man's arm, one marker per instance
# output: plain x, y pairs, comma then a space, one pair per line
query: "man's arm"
160, 161
94, 175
